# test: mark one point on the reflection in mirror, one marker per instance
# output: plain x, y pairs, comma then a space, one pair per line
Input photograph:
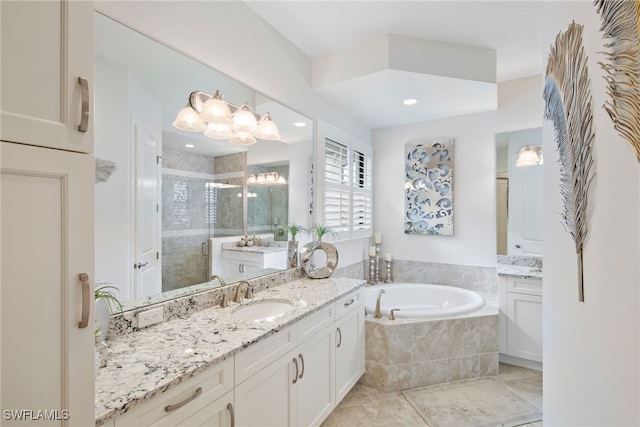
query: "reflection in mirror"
164, 214
519, 195
268, 199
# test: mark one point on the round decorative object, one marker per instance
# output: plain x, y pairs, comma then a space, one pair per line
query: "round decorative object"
313, 271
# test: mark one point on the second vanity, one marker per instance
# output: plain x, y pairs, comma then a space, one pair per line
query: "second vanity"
220, 368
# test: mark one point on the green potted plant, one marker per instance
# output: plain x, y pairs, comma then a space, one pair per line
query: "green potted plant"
319, 231
330, 257
292, 249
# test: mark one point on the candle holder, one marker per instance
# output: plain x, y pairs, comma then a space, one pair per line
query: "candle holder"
372, 270
377, 279
389, 279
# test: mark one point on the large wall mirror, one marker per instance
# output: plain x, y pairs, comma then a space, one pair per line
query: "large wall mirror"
519, 193
175, 199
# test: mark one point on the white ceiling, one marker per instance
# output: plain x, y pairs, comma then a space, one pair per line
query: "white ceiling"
321, 28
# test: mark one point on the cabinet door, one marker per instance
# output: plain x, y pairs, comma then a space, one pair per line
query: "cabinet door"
46, 230
267, 398
349, 343
46, 47
524, 326
315, 389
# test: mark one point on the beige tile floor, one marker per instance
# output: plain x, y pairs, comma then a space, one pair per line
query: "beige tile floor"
455, 404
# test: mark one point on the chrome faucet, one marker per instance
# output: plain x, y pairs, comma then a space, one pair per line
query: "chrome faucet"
376, 313
248, 293
225, 300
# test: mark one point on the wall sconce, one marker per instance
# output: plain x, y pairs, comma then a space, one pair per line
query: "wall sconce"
219, 119
531, 155
268, 178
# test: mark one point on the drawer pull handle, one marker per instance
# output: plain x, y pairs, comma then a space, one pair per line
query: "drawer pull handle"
232, 414
295, 362
301, 361
347, 304
84, 115
175, 406
340, 336
86, 300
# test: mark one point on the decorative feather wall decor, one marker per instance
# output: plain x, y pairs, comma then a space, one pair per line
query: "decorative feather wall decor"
620, 20
567, 95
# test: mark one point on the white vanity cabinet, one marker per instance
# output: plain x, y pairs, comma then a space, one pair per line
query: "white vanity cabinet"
300, 387
521, 320
47, 46
238, 262
291, 378
204, 400
349, 343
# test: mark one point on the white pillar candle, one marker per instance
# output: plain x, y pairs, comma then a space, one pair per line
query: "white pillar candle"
372, 251
377, 238
387, 256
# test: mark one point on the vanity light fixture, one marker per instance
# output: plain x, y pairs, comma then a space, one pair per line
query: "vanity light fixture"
268, 178
531, 155
219, 119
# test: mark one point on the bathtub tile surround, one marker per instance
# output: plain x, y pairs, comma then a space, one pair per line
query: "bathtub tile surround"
408, 353
482, 280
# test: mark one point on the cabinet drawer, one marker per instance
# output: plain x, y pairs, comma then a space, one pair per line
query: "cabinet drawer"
524, 286
310, 325
183, 399
243, 256
259, 355
349, 302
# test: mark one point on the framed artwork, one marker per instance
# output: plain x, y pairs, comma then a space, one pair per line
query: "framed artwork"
428, 198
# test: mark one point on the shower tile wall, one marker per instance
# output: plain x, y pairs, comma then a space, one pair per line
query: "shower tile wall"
270, 202
185, 218
229, 211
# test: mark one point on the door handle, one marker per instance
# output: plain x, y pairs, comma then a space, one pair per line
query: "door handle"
140, 264
518, 245
295, 362
84, 115
302, 362
86, 300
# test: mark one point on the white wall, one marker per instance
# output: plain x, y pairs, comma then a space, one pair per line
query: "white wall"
112, 198
113, 201
474, 187
591, 349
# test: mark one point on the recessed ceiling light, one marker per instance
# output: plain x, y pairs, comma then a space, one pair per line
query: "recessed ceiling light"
410, 101
189, 145
299, 124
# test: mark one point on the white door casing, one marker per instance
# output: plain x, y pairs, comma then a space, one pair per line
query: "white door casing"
146, 263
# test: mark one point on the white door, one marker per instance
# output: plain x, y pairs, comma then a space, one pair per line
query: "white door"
46, 231
525, 205
146, 262
46, 47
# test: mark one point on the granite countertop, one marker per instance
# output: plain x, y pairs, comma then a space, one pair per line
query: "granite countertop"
522, 271
144, 363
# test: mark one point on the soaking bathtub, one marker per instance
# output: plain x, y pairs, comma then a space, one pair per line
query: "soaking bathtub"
421, 300
440, 334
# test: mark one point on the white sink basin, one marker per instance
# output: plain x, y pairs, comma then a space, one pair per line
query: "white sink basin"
262, 311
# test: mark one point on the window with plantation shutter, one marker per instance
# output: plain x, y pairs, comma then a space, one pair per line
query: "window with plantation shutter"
348, 193
337, 206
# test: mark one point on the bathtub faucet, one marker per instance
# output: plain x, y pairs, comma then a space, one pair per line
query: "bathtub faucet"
376, 313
